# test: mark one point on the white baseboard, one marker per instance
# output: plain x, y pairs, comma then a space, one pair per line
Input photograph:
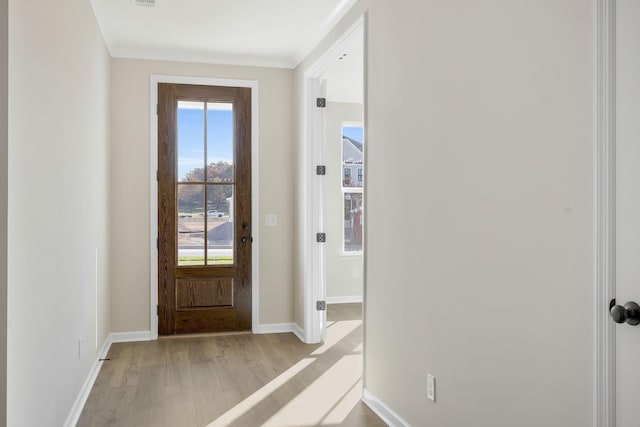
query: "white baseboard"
131, 336
277, 328
274, 328
78, 405
383, 411
297, 330
344, 300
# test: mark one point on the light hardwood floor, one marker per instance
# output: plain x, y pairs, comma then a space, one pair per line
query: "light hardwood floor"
239, 380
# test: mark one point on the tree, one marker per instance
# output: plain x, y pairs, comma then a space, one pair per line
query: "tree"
191, 197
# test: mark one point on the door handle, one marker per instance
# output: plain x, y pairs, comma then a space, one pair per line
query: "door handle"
629, 313
247, 239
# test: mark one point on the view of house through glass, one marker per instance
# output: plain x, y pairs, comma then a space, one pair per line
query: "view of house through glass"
205, 184
352, 184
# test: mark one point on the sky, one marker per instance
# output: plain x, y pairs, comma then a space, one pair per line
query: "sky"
355, 133
219, 135
191, 135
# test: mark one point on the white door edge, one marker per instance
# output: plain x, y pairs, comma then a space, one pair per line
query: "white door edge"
604, 378
153, 189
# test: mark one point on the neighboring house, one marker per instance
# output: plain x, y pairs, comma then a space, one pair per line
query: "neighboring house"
352, 178
352, 164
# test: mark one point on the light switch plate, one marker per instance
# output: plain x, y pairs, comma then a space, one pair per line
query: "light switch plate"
271, 220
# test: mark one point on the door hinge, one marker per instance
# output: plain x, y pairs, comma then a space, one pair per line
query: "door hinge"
321, 237
157, 175
157, 244
321, 102
157, 110
321, 170
321, 305
158, 310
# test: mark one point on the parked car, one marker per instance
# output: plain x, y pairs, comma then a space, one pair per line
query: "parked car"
214, 213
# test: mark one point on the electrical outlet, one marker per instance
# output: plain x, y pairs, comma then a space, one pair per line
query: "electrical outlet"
431, 387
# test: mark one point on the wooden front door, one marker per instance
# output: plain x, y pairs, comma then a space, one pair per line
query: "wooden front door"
204, 209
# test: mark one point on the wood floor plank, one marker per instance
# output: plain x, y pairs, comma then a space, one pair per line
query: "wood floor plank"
239, 380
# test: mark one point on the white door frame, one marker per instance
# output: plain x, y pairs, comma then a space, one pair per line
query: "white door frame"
153, 188
605, 402
314, 277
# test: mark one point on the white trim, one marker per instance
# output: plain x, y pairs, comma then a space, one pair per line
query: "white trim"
313, 265
344, 300
383, 411
320, 66
604, 405
83, 395
351, 254
351, 124
365, 121
275, 328
297, 330
132, 336
153, 187
313, 213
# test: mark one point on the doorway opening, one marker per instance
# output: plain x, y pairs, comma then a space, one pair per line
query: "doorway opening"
335, 139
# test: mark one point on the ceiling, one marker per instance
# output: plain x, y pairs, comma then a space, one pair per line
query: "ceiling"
272, 33
345, 74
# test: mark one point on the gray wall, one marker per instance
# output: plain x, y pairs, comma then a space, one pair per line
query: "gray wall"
494, 104
58, 227
4, 68
129, 183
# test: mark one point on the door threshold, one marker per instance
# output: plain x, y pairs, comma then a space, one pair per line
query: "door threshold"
203, 335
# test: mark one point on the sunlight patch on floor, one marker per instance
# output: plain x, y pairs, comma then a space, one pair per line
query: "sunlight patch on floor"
336, 333
344, 407
328, 400
247, 404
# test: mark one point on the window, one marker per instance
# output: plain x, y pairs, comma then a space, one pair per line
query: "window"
205, 184
352, 197
347, 175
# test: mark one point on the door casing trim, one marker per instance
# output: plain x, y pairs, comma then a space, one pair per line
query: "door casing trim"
153, 188
605, 188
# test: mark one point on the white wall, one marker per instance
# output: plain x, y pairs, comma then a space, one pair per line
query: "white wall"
130, 186
492, 280
4, 68
344, 272
57, 192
